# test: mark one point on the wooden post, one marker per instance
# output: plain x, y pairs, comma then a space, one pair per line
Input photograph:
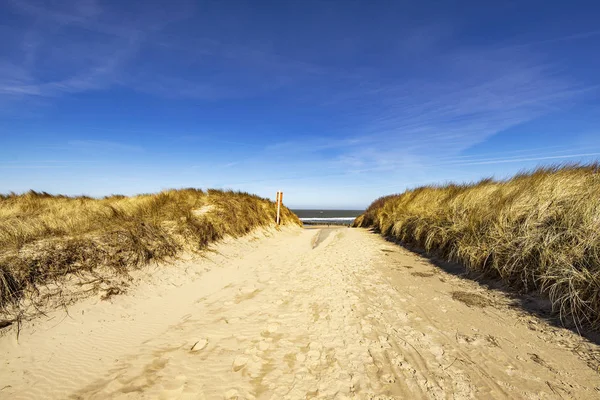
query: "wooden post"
279, 202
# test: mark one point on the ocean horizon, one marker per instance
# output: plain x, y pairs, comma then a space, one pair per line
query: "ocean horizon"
327, 217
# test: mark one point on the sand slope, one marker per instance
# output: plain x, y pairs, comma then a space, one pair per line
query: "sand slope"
324, 313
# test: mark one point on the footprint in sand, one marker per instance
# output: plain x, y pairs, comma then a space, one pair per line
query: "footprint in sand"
314, 355
239, 363
174, 388
199, 345
272, 327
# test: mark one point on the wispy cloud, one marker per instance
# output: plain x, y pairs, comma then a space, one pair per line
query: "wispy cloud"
87, 14
441, 103
87, 45
405, 98
31, 166
427, 121
564, 38
100, 145
503, 86
524, 159
413, 162
315, 144
479, 93
71, 47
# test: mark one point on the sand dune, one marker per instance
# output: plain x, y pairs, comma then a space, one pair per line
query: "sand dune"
323, 313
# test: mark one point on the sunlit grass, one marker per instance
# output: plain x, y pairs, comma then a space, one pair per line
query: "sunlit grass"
536, 231
43, 237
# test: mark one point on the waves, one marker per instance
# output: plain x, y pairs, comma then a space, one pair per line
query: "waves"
328, 221
327, 217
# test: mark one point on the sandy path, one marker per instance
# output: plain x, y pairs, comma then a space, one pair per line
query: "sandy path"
324, 313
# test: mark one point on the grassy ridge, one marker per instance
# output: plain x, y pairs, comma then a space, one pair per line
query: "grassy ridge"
538, 231
43, 237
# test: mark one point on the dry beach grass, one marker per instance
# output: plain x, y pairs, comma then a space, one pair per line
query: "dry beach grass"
538, 231
45, 237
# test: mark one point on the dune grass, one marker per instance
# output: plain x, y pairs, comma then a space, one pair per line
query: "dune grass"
538, 231
44, 237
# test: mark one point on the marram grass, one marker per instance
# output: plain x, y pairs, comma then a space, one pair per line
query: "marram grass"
44, 237
538, 231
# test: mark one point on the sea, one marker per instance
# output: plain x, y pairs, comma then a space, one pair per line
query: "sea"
327, 217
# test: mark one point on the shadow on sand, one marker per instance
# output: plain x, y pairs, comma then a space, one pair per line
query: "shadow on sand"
531, 302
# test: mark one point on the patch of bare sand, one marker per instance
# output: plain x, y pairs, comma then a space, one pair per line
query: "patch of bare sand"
299, 314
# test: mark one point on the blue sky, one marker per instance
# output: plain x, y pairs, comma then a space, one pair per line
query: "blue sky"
333, 102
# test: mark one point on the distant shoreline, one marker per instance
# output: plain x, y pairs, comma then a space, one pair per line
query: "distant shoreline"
327, 223
346, 216
327, 217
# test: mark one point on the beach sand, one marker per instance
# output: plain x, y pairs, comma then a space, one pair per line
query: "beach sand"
325, 312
